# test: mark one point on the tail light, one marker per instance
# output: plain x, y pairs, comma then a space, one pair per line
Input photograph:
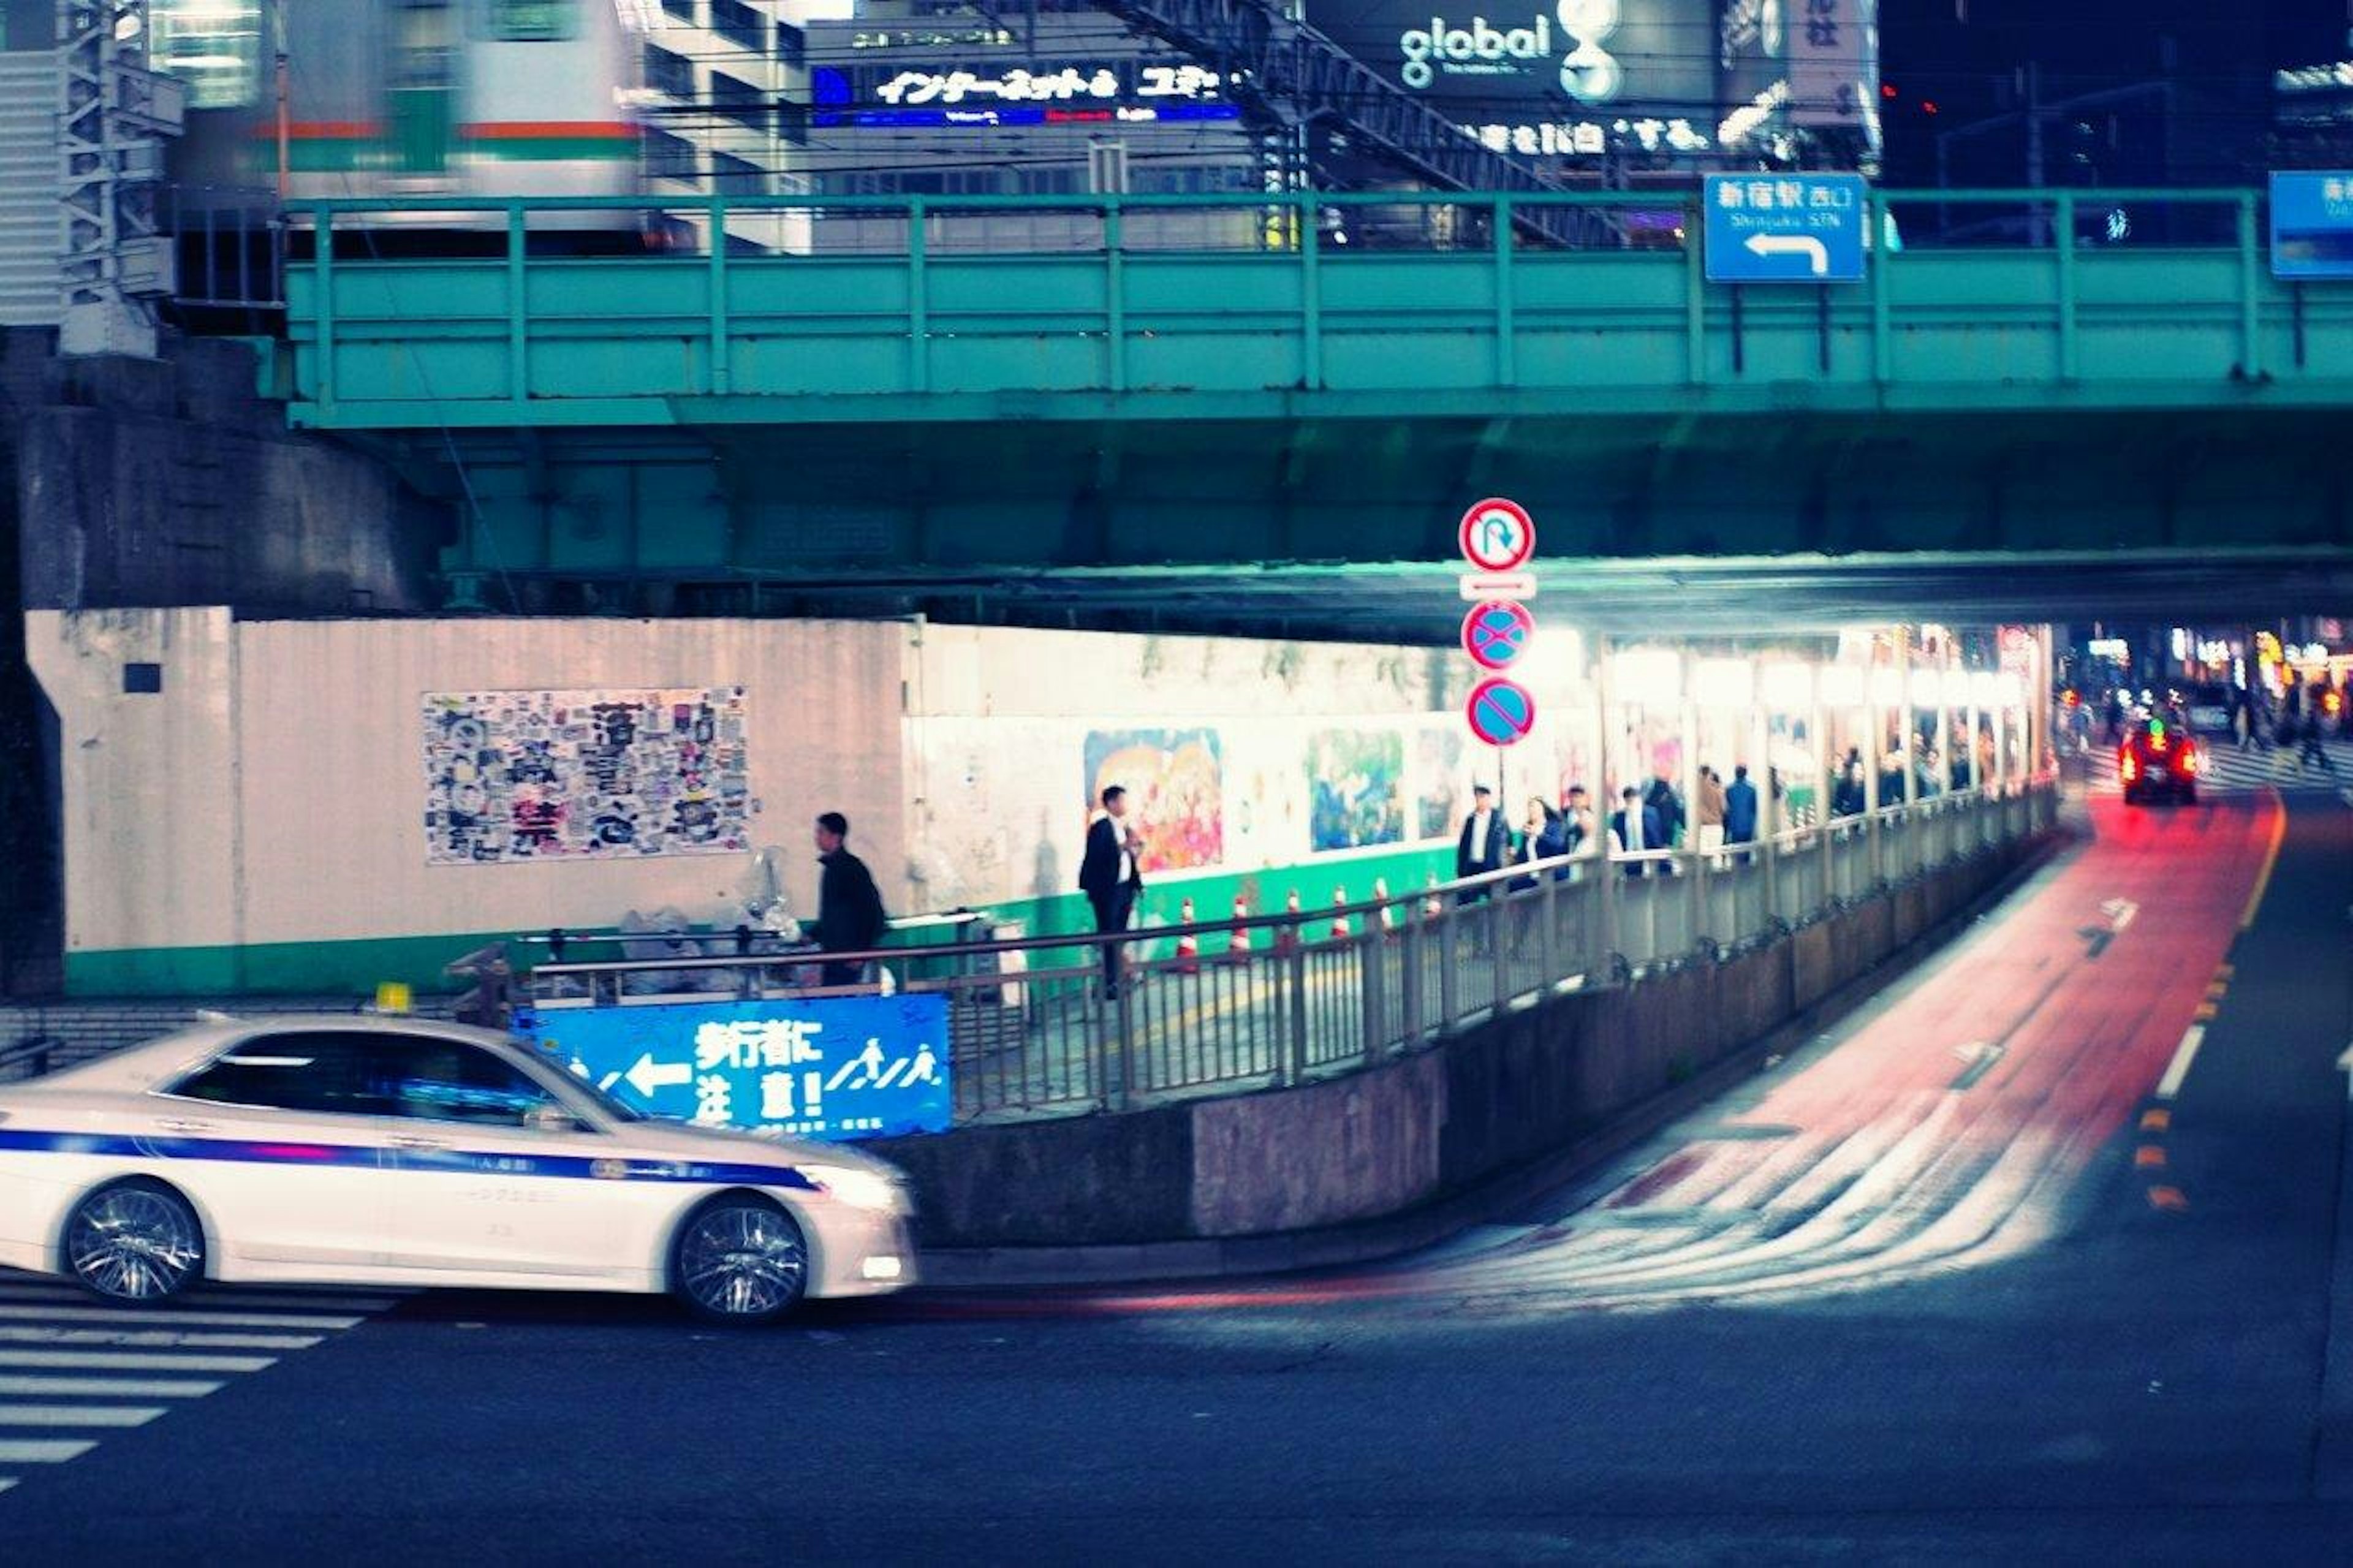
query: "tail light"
2130, 767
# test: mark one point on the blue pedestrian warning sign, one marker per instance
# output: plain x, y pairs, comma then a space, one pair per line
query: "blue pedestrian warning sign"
825, 1067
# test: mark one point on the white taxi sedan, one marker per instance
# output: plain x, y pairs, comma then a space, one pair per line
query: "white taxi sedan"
362, 1151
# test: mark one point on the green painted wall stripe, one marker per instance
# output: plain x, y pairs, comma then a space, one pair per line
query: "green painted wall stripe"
324, 968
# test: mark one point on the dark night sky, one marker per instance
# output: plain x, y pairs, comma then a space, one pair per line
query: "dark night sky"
1965, 56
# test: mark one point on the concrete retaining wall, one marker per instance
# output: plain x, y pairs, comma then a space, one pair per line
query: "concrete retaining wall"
1414, 1130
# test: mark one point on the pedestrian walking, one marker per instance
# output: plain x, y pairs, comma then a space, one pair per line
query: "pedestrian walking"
1708, 813
2314, 750
1636, 827
1484, 846
1576, 821
1111, 878
850, 917
1663, 800
1740, 809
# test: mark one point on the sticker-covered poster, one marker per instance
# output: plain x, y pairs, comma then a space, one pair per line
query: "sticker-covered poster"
550, 776
1176, 792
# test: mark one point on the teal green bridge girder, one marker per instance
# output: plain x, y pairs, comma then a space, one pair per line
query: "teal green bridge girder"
1127, 395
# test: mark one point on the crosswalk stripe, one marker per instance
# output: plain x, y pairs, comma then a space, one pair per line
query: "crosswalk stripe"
44, 1451
158, 1339
126, 1361
40, 1387
33, 1287
64, 1313
79, 1415
7, 1481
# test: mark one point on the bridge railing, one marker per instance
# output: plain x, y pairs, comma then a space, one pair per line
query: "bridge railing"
510, 315
1283, 999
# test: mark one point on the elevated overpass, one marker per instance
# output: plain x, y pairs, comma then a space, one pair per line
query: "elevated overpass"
919, 427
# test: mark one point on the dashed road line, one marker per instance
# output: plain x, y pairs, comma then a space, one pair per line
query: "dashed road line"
2184, 1055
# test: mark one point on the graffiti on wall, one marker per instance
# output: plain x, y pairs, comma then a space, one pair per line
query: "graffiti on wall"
550, 776
1356, 785
1175, 785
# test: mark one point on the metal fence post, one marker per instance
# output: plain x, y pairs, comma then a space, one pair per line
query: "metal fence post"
1449, 981
1294, 1069
1370, 951
1411, 948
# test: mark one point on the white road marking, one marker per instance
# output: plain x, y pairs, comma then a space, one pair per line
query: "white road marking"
44, 1451
115, 1360
7, 1481
69, 1314
2187, 1052
39, 1388
79, 1415
159, 1339
16, 1286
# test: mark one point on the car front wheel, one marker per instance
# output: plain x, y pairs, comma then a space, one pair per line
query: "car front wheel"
740, 1258
134, 1241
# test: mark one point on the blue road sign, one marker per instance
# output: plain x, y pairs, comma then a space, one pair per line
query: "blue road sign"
1501, 712
2312, 223
828, 1067
1785, 228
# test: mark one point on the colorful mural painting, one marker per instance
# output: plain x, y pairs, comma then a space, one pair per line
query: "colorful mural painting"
545, 775
1174, 784
1355, 783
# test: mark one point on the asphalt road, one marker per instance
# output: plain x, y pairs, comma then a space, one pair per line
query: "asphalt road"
1955, 1283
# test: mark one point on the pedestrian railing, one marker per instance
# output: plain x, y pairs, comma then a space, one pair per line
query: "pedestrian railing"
1280, 999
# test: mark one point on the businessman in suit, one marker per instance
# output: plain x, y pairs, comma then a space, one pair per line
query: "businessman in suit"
1485, 844
1635, 826
1110, 878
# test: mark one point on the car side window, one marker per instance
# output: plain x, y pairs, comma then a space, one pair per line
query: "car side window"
450, 1081
307, 1072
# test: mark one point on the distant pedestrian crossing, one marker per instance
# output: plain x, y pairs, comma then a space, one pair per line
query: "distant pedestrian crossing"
74, 1372
2224, 769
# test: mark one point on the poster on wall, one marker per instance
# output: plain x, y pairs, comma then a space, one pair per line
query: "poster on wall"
1174, 787
604, 775
1441, 783
1356, 786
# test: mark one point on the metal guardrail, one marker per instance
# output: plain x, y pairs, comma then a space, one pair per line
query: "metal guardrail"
1282, 999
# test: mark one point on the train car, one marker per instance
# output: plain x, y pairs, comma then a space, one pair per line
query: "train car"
418, 98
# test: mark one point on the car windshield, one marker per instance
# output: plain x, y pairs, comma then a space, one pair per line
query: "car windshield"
586, 1089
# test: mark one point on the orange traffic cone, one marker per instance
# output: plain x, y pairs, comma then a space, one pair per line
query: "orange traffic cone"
1341, 930
1188, 946
1239, 949
1388, 911
1286, 940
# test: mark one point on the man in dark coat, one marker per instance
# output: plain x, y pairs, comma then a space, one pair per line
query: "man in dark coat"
1740, 808
850, 917
1111, 878
1485, 844
1641, 818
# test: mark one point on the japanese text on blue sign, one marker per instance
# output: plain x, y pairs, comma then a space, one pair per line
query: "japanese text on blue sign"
2312, 223
1790, 229
831, 1067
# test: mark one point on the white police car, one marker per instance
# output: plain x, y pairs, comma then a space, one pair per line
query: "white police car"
351, 1151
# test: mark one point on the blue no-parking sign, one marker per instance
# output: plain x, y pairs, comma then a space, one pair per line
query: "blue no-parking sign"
828, 1067
2312, 223
1785, 228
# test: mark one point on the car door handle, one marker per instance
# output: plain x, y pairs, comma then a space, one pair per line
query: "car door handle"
405, 1142
177, 1124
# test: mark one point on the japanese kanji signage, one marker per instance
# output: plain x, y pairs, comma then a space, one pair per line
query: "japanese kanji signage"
829, 1067
2312, 223
1785, 228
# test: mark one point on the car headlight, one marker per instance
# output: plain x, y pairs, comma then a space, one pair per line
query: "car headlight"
859, 1188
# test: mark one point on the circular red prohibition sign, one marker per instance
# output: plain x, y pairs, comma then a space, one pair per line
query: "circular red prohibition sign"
1501, 712
1497, 535
1497, 634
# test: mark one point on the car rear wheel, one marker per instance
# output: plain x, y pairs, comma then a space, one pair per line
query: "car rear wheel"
134, 1241
740, 1258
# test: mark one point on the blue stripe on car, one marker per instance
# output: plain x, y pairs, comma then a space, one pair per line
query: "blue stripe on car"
465, 1161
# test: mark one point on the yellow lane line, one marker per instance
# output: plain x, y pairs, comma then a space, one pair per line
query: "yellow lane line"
2147, 1156
2170, 1198
2271, 858
2155, 1121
